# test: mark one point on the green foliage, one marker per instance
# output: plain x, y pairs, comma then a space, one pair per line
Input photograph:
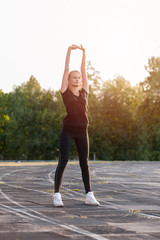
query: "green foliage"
34, 122
113, 127
124, 120
148, 114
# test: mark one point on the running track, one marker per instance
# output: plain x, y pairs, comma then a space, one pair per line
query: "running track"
129, 193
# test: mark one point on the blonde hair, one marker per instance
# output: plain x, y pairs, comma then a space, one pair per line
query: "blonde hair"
73, 72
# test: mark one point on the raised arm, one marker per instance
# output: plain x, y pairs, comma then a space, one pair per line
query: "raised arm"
83, 71
64, 84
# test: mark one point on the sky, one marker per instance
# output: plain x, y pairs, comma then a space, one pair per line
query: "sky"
119, 37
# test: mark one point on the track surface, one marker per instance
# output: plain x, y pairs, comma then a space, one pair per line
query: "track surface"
129, 193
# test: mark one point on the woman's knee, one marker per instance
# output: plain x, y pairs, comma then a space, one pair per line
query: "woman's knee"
63, 161
84, 164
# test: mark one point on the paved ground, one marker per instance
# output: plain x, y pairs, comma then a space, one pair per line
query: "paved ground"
129, 193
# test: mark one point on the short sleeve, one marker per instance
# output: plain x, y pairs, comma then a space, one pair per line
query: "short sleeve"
64, 93
84, 93
65, 96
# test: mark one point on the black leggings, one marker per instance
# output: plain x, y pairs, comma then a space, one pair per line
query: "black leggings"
80, 136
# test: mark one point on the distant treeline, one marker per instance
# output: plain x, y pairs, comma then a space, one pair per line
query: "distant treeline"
124, 120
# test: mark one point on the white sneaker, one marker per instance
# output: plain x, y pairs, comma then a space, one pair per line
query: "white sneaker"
57, 200
91, 200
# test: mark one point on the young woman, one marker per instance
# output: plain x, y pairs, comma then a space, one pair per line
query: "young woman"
75, 126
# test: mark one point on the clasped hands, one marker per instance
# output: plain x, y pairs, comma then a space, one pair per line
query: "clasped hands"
74, 46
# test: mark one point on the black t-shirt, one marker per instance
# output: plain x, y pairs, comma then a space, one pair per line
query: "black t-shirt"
76, 108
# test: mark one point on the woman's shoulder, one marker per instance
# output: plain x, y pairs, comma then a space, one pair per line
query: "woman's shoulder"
64, 92
84, 92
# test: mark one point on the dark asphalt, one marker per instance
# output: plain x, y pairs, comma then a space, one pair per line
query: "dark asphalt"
129, 193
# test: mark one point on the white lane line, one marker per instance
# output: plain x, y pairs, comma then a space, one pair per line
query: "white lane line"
8, 173
140, 190
18, 204
69, 227
103, 206
111, 205
34, 190
49, 176
119, 207
52, 181
28, 189
68, 190
27, 214
149, 215
86, 233
12, 210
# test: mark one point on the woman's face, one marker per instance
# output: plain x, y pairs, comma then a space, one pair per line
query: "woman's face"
75, 79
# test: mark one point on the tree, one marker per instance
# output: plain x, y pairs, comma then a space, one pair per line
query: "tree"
149, 112
32, 132
114, 123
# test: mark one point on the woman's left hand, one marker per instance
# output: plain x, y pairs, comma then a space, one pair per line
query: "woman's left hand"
82, 48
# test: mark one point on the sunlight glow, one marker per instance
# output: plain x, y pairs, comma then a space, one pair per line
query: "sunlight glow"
119, 36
